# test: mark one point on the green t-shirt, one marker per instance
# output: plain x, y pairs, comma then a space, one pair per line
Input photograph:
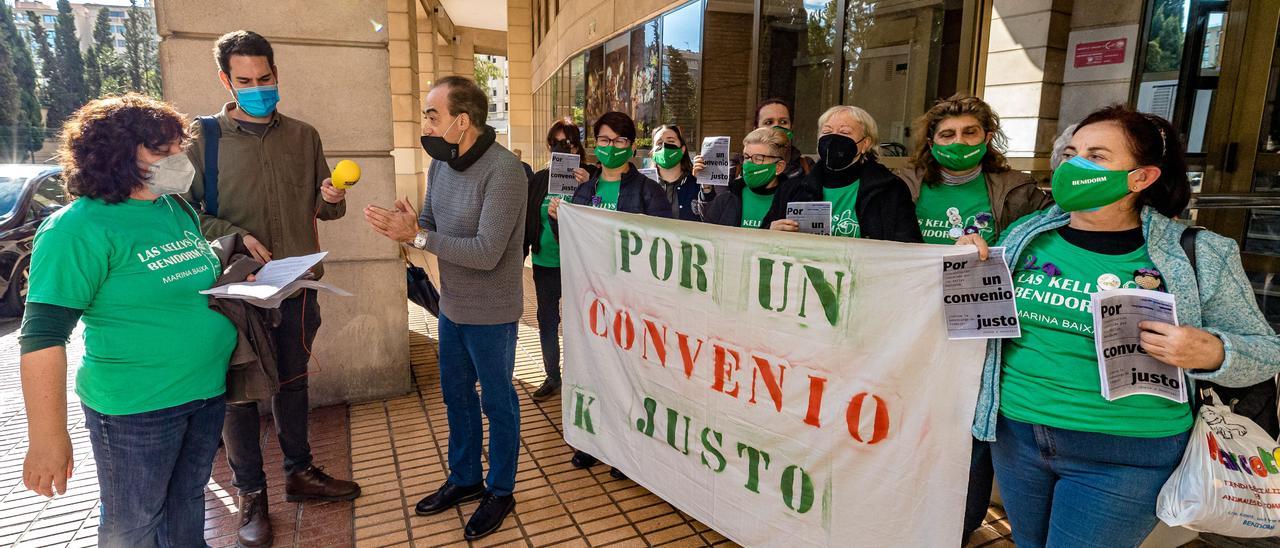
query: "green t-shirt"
947, 212
1050, 374
136, 269
754, 207
548, 254
844, 218
607, 194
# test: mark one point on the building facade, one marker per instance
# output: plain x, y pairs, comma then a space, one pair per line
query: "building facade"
1209, 66
85, 16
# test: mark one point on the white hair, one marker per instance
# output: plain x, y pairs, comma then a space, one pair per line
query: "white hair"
863, 117
1060, 144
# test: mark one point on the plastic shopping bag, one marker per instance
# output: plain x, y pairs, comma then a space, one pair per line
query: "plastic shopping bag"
1229, 480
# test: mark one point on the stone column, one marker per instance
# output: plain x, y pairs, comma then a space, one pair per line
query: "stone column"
1025, 60
406, 97
333, 75
523, 127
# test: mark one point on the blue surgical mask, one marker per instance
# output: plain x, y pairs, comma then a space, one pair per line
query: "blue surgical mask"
258, 102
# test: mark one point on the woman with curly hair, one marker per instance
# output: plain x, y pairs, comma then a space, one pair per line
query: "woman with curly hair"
959, 178
127, 259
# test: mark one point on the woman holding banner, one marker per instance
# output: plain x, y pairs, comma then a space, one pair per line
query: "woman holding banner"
962, 184
618, 187
1075, 468
866, 200
751, 195
561, 138
675, 171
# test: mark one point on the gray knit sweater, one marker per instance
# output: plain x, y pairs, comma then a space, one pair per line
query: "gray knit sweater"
476, 223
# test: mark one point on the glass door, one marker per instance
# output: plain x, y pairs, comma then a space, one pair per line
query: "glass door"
1240, 194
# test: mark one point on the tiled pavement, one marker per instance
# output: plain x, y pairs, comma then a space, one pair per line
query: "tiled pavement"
395, 448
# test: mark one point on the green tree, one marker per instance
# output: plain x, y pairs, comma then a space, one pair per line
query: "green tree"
140, 66
103, 71
1166, 36
47, 61
679, 89
10, 107
486, 70
66, 91
24, 69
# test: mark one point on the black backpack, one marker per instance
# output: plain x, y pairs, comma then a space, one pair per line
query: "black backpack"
1257, 402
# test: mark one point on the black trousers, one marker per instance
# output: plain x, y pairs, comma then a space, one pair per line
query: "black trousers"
241, 433
546, 284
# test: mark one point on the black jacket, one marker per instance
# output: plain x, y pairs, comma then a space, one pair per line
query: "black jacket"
636, 194
682, 194
533, 214
884, 207
726, 209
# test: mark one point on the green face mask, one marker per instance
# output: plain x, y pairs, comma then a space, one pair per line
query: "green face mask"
959, 156
757, 175
613, 157
1079, 185
667, 158
790, 136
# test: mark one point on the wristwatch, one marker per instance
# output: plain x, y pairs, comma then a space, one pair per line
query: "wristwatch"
420, 239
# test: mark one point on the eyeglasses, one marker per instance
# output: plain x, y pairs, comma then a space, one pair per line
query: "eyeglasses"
760, 158
620, 142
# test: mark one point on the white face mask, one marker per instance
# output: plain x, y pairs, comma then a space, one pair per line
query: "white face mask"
171, 175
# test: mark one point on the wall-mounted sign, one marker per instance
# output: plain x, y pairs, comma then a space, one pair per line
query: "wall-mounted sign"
1101, 54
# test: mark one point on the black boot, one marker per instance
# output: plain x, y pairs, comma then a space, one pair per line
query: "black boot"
582, 459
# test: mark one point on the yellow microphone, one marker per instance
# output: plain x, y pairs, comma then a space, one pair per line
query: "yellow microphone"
346, 174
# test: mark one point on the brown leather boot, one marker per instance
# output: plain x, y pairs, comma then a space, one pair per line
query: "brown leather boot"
255, 525
314, 484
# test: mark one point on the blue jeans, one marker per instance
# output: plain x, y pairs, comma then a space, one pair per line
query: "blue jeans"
486, 353
1068, 488
152, 470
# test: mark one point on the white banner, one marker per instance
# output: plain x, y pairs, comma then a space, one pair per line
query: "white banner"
782, 388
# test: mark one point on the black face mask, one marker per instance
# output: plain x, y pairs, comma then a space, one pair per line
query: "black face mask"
838, 153
438, 148
562, 146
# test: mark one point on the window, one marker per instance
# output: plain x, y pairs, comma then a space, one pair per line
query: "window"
49, 191
493, 92
505, 106
49, 20
116, 14
493, 107
682, 68
120, 43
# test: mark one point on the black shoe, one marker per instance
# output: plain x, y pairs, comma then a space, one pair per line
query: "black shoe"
489, 516
583, 460
617, 474
446, 497
548, 390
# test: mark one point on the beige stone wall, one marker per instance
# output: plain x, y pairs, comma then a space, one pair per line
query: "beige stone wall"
1081, 98
334, 74
1025, 59
523, 129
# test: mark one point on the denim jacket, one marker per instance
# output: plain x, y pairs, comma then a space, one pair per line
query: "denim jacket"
1221, 302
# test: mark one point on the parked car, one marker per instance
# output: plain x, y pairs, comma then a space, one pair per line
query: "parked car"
29, 193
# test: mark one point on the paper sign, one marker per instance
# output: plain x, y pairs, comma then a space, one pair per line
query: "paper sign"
715, 156
1123, 367
977, 297
560, 175
650, 172
813, 217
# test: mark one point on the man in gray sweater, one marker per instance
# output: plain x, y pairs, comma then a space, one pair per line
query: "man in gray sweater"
473, 221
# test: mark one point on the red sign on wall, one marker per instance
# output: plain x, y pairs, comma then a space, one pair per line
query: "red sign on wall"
1105, 52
